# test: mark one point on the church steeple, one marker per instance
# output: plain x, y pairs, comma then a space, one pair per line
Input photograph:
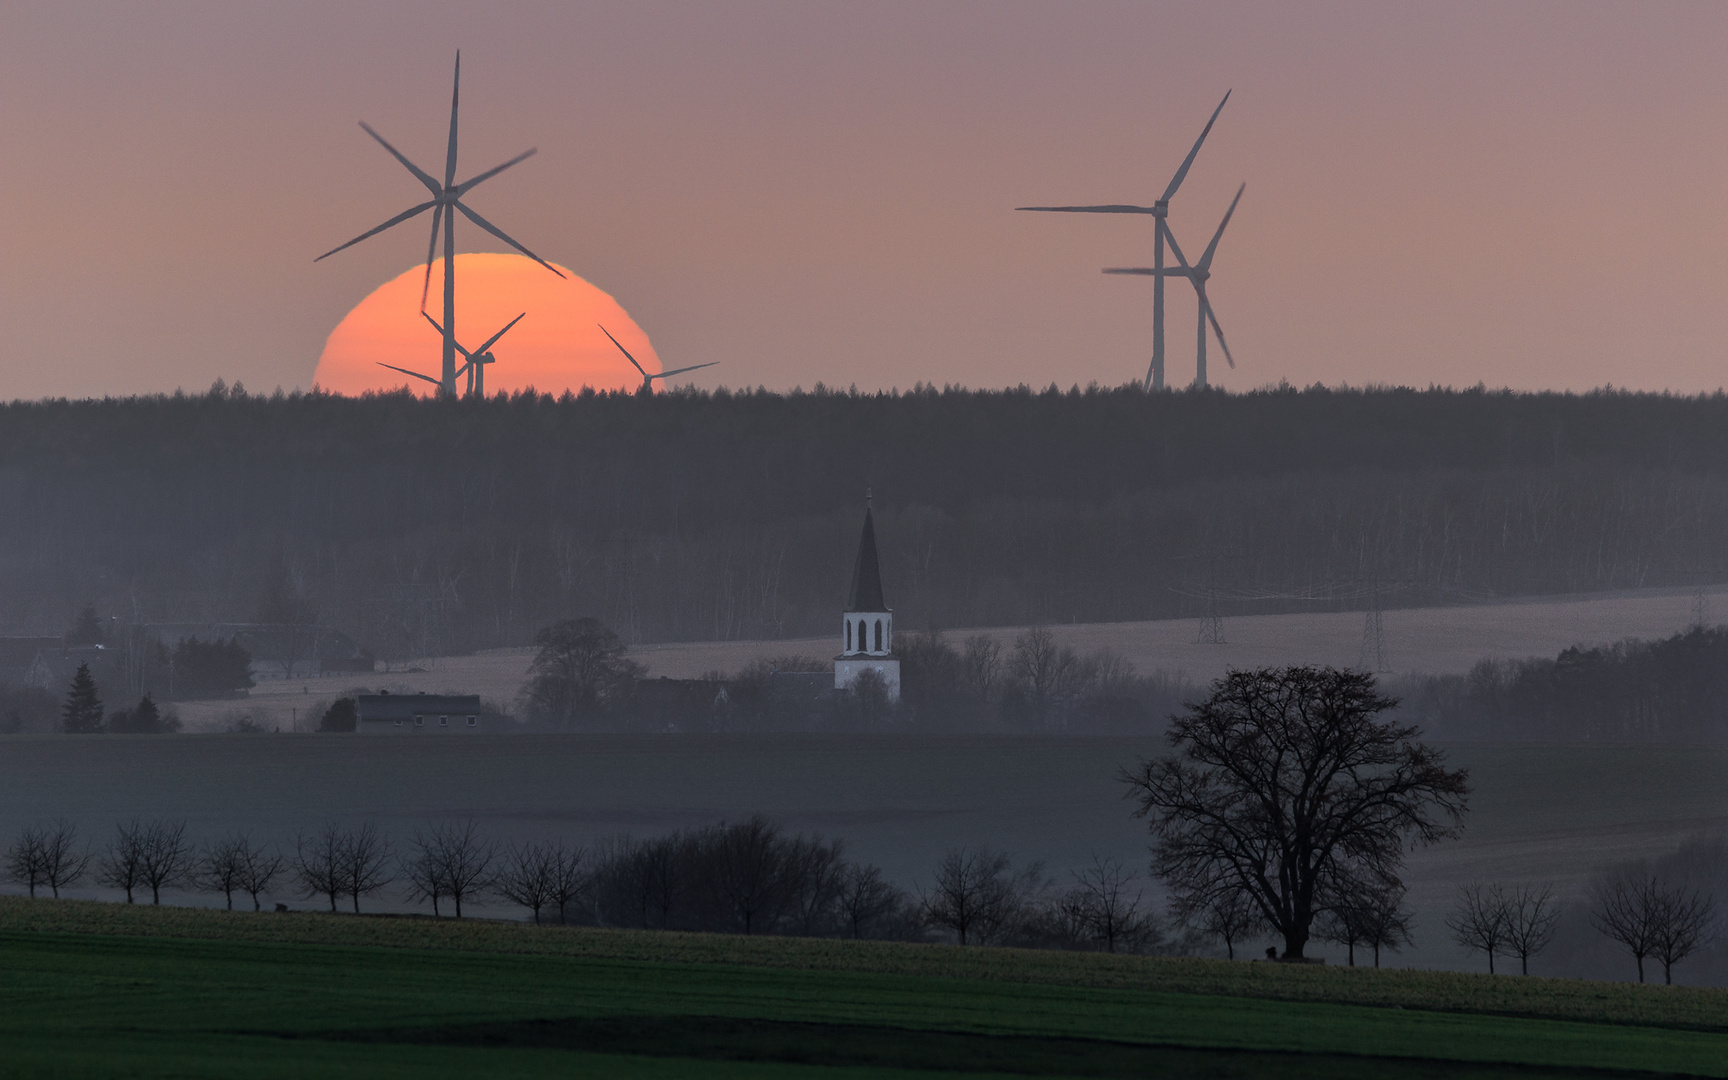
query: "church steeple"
867, 571
867, 624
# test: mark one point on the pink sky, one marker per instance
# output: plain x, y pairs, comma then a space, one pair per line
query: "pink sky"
1530, 195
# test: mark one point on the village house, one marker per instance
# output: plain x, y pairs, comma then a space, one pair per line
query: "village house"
418, 714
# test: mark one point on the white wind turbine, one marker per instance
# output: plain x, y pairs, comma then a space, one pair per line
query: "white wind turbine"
647, 379
1199, 273
1159, 211
445, 202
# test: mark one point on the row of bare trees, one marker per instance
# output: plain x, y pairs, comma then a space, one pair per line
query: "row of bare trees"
154, 855
1647, 913
978, 898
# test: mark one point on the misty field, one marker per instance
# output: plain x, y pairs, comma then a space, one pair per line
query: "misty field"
1433, 640
1539, 813
101, 990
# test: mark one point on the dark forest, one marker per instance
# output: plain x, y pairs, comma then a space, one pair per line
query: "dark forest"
419, 527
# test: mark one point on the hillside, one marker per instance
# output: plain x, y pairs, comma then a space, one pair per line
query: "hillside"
423, 528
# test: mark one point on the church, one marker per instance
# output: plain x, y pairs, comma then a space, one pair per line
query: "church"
867, 625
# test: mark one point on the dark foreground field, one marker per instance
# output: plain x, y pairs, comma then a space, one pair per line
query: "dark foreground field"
96, 990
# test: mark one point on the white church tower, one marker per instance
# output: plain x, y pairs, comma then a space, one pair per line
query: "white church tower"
867, 630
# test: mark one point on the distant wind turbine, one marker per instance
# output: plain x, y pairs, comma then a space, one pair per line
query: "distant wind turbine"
475, 368
479, 358
445, 202
1159, 211
647, 379
1199, 273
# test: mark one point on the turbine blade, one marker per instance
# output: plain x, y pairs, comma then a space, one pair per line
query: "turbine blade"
626, 352
682, 370
1144, 271
493, 340
431, 251
405, 371
1205, 262
455, 93
1216, 329
1176, 250
500, 234
1114, 208
464, 187
440, 330
419, 174
397, 220
1182, 173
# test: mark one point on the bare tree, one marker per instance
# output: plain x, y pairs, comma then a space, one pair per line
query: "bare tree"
1624, 906
527, 876
63, 863
167, 857
1479, 920
1686, 921
259, 869
570, 878
1228, 914
122, 863
320, 862
26, 859
981, 666
1285, 778
451, 859
975, 894
865, 898
1531, 915
365, 863
1107, 906
1373, 918
752, 874
817, 875
221, 866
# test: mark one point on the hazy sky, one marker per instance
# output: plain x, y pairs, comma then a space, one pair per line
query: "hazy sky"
1530, 195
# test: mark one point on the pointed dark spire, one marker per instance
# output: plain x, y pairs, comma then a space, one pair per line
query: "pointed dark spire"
866, 572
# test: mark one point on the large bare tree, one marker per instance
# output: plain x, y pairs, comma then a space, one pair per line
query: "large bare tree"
1286, 786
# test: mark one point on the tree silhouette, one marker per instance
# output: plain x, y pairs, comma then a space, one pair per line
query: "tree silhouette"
82, 712
1288, 788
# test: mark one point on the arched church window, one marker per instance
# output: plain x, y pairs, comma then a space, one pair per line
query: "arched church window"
848, 634
878, 635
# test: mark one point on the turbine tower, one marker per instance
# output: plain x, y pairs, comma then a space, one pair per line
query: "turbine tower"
647, 379
445, 202
475, 368
1159, 211
1199, 274
478, 359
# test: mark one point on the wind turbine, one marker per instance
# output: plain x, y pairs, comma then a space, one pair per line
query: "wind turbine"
1199, 273
1159, 211
476, 365
445, 202
478, 359
647, 379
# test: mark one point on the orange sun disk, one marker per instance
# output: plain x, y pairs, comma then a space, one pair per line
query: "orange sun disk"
557, 347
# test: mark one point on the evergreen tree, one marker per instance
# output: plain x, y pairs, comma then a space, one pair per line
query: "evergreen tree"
82, 713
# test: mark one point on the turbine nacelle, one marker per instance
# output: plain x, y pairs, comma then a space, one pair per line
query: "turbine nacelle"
446, 201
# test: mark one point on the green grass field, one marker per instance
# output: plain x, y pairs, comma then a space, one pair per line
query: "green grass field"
107, 990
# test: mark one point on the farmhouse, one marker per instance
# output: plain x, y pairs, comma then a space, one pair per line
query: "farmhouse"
418, 714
